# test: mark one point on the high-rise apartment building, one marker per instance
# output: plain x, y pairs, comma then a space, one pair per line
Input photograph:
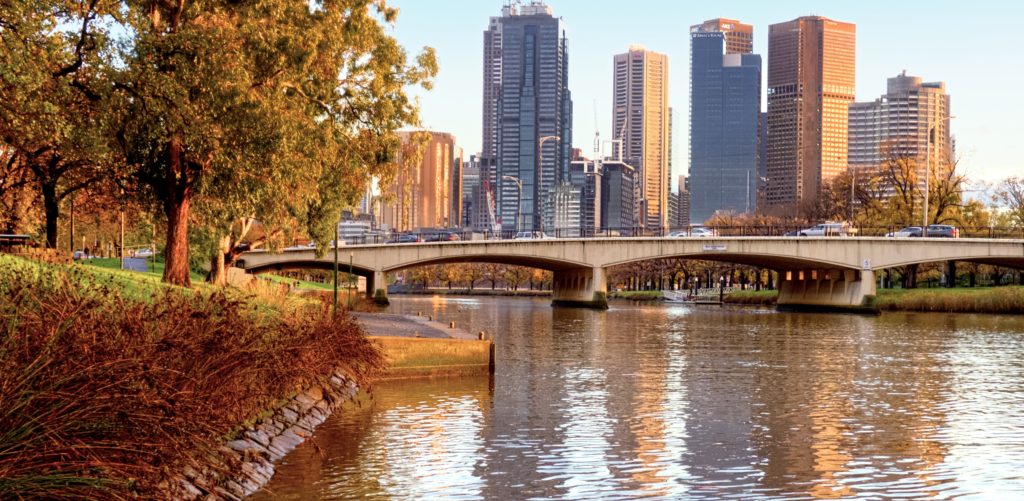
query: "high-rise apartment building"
897, 125
492, 92
641, 121
811, 83
526, 51
725, 112
422, 196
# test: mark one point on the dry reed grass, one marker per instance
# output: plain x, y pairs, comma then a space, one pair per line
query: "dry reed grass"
104, 397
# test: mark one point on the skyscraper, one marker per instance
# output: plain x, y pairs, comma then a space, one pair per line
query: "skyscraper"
725, 111
532, 112
811, 83
422, 196
897, 125
641, 121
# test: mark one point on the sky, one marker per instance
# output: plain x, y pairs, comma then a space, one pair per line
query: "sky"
973, 46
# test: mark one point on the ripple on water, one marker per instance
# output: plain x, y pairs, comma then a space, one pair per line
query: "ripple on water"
688, 403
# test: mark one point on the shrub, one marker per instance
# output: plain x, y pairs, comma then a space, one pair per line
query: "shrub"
104, 397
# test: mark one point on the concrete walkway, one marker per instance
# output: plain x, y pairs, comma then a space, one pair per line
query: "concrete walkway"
391, 325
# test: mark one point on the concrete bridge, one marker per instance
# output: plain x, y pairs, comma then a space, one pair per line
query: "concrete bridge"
814, 272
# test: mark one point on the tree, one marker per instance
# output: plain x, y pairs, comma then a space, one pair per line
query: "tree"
1010, 193
51, 108
218, 95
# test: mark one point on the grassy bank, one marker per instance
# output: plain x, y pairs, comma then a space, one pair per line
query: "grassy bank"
761, 298
636, 295
963, 300
1009, 300
111, 381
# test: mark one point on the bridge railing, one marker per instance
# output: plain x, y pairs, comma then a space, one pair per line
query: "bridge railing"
695, 231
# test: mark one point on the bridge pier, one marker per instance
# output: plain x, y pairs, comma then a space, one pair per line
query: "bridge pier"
581, 288
377, 288
828, 290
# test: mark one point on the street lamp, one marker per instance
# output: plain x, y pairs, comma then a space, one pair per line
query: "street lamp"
540, 158
928, 170
519, 200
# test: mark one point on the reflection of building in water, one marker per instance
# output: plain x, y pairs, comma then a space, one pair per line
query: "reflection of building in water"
832, 401
719, 391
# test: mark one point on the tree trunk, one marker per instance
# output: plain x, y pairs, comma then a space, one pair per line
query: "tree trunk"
51, 207
218, 262
176, 269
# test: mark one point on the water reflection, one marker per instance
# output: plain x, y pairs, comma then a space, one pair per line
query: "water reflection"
674, 402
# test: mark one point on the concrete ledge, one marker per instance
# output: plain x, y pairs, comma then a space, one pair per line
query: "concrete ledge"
869, 306
598, 302
427, 357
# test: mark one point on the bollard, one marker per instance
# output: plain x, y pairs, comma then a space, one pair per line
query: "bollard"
482, 336
430, 318
451, 325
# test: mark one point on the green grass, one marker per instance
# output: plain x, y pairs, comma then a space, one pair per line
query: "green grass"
303, 284
1009, 299
636, 295
765, 297
153, 268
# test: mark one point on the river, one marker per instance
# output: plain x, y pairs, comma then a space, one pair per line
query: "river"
682, 402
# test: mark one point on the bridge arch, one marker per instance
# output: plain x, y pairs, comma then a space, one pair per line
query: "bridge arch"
543, 263
1006, 262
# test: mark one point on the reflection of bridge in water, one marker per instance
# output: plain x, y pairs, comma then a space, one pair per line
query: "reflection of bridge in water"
813, 272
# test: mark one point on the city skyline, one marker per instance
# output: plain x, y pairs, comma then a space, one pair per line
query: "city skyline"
594, 37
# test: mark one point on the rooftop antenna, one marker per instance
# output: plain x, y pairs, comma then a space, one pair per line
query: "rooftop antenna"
597, 135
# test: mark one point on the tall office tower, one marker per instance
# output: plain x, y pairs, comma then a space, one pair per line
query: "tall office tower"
725, 116
422, 197
533, 114
492, 91
811, 83
641, 121
897, 125
739, 37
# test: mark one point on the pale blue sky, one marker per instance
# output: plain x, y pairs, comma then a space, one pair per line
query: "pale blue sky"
973, 46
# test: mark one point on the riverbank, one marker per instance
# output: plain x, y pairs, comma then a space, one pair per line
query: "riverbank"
115, 385
1005, 300
469, 292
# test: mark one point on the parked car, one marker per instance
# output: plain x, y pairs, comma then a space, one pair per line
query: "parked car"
908, 232
144, 253
943, 231
828, 230
405, 238
530, 235
79, 255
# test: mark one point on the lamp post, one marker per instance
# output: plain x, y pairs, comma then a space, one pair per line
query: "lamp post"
519, 200
932, 130
336, 231
351, 278
540, 158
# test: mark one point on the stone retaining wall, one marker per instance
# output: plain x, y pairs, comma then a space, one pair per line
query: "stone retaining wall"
246, 464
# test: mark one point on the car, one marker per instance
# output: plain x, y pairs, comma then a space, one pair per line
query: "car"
530, 235
405, 238
696, 232
443, 236
908, 232
828, 230
147, 252
943, 231
79, 255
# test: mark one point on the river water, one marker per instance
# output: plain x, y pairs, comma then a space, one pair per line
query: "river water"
681, 402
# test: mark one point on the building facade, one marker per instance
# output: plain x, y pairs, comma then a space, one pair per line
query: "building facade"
422, 195
897, 125
641, 121
587, 176
618, 197
532, 112
811, 83
725, 111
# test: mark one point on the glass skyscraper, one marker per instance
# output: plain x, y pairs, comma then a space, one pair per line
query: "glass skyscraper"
533, 117
725, 116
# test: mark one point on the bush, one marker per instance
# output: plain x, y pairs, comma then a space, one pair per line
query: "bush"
102, 396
